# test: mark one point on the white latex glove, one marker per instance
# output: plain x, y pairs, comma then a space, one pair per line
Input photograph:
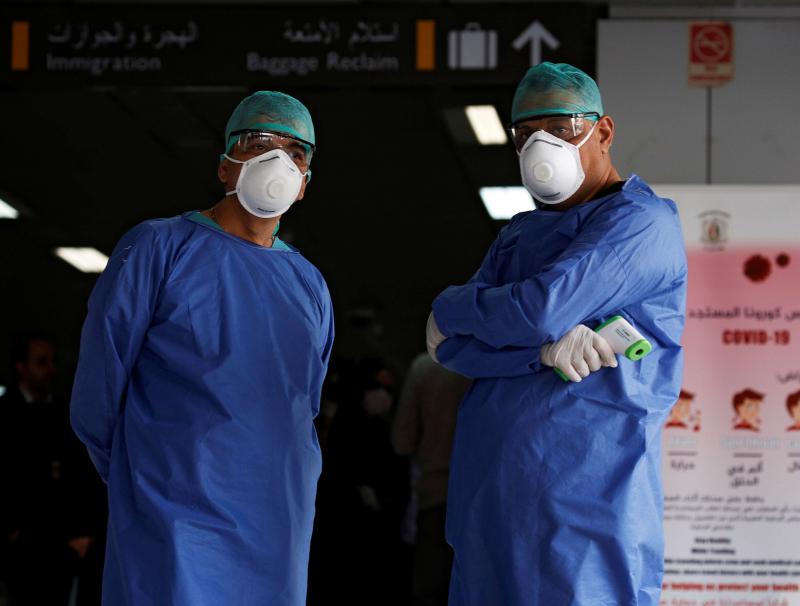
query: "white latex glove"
578, 353
433, 337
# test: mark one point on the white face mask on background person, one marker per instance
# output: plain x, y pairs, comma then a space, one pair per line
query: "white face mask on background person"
377, 402
268, 183
551, 167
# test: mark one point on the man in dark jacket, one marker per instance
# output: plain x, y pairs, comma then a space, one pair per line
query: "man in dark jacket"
52, 507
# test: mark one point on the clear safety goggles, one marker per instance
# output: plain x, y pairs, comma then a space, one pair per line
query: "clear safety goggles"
257, 142
565, 126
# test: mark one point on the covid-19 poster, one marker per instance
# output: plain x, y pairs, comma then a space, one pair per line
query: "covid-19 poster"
731, 445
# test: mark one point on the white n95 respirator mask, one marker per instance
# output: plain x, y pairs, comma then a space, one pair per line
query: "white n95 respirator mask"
551, 167
268, 184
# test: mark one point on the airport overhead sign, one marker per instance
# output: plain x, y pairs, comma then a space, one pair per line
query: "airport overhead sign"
261, 45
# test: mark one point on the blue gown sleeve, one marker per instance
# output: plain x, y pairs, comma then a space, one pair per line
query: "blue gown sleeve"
120, 309
473, 358
614, 261
328, 333
470, 357
325, 337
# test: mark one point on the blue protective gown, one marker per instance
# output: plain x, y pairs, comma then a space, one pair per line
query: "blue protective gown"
555, 494
202, 360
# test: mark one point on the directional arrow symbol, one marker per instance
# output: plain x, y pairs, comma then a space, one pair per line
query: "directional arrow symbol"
537, 34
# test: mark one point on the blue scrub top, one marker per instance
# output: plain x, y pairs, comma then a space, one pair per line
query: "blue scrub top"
201, 367
555, 493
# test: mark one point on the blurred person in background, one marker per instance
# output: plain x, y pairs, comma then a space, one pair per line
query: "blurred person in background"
53, 506
423, 428
201, 368
555, 492
363, 494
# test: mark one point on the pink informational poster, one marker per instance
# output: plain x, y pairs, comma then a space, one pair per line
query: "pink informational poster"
731, 446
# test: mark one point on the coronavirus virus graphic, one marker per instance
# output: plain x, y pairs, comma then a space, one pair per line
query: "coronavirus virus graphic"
783, 260
757, 268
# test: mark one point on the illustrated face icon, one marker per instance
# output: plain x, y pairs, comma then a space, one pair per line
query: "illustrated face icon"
749, 411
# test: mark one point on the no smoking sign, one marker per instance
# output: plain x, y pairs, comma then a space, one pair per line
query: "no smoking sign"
710, 53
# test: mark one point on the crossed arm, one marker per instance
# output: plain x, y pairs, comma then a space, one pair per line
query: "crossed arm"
498, 331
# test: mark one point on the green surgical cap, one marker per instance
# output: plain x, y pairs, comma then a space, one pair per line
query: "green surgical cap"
555, 88
269, 110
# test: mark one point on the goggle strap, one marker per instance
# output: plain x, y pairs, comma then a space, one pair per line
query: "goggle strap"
586, 138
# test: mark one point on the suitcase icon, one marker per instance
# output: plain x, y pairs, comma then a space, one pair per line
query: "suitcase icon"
472, 48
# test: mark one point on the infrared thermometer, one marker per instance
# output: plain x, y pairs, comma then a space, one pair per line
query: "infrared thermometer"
624, 339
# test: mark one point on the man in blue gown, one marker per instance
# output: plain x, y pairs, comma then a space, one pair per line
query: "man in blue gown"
202, 360
555, 494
